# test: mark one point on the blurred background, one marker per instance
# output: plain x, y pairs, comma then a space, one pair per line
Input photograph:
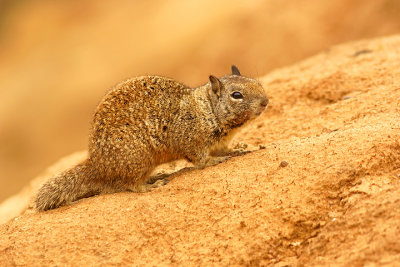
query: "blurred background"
58, 58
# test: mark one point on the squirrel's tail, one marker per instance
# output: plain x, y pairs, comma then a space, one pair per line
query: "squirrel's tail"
66, 187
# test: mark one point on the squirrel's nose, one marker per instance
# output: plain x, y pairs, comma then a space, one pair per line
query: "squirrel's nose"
264, 102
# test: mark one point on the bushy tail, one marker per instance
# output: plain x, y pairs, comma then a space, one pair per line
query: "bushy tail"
66, 187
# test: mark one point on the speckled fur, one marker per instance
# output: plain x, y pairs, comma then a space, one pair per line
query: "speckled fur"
149, 120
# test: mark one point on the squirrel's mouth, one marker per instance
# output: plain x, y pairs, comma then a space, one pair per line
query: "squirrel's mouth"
258, 113
261, 110
262, 106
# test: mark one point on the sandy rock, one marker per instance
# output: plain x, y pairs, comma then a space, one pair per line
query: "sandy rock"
334, 118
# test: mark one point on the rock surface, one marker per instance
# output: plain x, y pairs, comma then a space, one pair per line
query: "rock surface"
333, 119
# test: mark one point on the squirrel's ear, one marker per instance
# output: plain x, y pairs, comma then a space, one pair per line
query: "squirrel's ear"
235, 70
216, 85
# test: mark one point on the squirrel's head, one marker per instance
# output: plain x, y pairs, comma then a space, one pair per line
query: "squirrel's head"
236, 99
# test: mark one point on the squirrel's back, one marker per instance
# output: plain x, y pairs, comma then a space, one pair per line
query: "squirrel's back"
133, 122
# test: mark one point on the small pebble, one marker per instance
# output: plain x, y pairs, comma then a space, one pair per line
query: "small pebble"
283, 164
262, 147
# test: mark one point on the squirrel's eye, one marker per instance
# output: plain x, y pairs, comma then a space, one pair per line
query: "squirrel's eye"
237, 95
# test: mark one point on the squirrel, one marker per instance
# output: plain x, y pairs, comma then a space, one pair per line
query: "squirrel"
149, 120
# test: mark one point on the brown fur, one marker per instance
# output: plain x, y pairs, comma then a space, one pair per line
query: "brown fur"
149, 120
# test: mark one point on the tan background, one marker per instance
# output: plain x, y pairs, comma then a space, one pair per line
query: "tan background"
57, 58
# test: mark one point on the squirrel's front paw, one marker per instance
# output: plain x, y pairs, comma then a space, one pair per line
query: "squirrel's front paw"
238, 150
211, 161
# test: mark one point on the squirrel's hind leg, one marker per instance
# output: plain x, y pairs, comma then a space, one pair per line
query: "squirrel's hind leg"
141, 185
145, 187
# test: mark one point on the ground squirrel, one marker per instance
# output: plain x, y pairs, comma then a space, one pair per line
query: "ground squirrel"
149, 120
